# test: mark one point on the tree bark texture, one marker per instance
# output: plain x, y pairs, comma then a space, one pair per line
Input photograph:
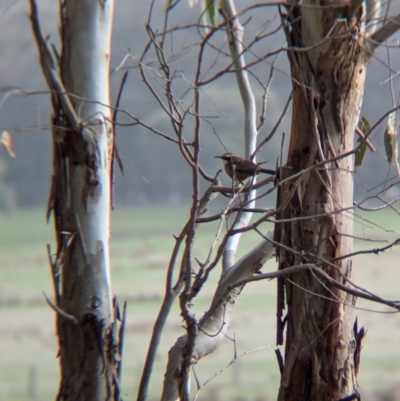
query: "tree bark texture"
328, 71
80, 200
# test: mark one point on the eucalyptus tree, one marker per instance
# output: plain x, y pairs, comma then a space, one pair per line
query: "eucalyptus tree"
329, 44
80, 198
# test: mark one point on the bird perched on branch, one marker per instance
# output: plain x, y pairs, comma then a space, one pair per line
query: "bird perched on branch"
239, 169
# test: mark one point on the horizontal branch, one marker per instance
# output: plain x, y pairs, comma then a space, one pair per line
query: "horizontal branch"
391, 26
301, 268
375, 251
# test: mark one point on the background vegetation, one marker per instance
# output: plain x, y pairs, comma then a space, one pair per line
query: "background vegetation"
26, 114
140, 252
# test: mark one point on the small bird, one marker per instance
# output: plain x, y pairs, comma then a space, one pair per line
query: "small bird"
239, 169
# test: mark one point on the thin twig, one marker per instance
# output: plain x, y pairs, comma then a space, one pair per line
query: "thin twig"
121, 337
51, 75
60, 312
114, 120
304, 267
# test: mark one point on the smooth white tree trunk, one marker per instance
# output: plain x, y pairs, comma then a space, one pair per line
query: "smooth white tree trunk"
80, 199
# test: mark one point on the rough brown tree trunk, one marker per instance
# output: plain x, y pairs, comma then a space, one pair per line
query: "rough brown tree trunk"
322, 349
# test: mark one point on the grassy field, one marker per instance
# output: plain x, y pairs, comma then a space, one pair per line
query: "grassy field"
142, 239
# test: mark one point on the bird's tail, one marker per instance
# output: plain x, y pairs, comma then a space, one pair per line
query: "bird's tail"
266, 171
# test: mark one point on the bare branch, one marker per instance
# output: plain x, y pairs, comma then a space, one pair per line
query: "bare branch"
367, 142
213, 326
171, 292
114, 120
234, 359
301, 268
276, 126
391, 26
121, 337
60, 312
50, 73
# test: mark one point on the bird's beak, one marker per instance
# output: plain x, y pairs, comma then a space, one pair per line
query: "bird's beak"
217, 157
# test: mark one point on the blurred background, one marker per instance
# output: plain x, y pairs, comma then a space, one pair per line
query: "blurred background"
151, 204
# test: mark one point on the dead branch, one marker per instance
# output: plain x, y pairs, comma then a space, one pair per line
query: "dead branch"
317, 270
213, 325
171, 292
49, 70
60, 312
391, 26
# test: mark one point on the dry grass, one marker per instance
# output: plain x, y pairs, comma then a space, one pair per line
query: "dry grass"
28, 364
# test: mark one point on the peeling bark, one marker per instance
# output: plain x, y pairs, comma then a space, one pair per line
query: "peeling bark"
87, 321
328, 82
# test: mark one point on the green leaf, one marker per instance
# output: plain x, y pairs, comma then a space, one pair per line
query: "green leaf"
364, 125
390, 140
359, 156
210, 4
